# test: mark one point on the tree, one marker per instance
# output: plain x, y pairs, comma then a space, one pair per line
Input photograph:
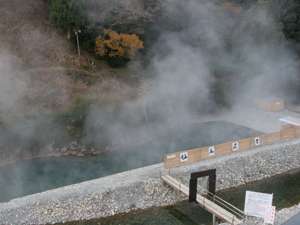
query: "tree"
118, 48
68, 14
71, 16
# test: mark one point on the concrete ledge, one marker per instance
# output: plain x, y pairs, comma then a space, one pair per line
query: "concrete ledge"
142, 188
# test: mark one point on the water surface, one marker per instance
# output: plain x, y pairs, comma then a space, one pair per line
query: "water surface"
33, 176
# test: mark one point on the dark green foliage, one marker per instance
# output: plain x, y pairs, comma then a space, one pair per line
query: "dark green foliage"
117, 62
68, 14
288, 13
87, 38
71, 16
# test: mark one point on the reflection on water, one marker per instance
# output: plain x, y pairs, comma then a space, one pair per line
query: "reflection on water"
34, 176
286, 189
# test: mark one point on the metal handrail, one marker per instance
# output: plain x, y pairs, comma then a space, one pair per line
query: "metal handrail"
231, 209
225, 204
216, 196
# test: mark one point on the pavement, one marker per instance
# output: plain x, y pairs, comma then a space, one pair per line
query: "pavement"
252, 117
294, 220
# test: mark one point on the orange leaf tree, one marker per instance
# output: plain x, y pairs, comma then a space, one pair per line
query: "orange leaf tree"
115, 45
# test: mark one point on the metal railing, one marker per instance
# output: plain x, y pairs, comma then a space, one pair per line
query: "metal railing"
224, 204
218, 207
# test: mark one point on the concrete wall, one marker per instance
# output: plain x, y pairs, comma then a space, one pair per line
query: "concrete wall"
142, 188
287, 132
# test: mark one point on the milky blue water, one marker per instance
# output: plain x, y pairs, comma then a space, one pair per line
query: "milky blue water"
28, 177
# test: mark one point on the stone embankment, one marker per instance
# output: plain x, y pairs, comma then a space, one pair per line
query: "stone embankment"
76, 149
143, 188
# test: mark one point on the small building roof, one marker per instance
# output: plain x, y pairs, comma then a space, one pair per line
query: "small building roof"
290, 120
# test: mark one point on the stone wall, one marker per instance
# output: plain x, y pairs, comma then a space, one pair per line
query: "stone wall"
142, 188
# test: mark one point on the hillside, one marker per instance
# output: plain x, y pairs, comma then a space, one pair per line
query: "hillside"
27, 34
43, 88
199, 58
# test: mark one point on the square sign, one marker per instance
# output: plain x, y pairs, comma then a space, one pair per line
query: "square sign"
184, 156
258, 204
235, 146
211, 151
257, 141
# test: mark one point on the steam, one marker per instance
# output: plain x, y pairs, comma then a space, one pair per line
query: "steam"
11, 86
205, 51
206, 43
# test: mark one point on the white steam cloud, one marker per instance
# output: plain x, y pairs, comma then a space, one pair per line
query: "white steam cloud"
207, 42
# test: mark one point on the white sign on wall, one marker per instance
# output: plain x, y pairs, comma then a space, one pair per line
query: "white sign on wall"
258, 204
257, 141
235, 146
211, 151
184, 156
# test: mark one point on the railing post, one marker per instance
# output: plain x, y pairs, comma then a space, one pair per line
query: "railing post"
214, 219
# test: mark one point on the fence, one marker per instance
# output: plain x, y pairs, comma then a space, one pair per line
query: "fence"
186, 157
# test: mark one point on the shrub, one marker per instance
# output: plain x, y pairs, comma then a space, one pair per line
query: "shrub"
118, 48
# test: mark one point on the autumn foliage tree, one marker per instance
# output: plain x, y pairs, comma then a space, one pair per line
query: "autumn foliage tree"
117, 48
